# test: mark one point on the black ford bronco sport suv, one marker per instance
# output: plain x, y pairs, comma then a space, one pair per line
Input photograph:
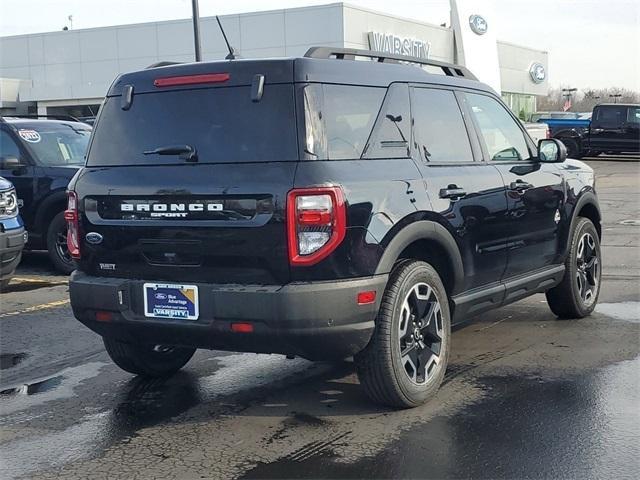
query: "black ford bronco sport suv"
320, 207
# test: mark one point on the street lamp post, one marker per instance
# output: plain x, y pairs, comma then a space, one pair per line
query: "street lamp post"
615, 97
196, 29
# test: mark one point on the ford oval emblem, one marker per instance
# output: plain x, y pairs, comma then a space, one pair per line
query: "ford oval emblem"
94, 238
478, 24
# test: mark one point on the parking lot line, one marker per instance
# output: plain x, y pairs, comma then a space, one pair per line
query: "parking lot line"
37, 280
35, 308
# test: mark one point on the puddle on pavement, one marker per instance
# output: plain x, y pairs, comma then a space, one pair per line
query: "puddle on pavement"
10, 360
630, 223
36, 387
583, 426
627, 311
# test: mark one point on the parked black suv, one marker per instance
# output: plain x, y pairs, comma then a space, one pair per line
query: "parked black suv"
39, 155
324, 208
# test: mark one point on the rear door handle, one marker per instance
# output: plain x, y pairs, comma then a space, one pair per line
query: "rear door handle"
520, 186
453, 192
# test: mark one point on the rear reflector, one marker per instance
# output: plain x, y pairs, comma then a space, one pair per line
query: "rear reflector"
191, 79
365, 298
241, 327
103, 316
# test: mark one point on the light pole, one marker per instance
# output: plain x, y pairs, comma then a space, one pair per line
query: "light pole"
196, 29
615, 97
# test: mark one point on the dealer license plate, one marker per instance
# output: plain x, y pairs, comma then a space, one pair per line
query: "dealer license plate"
166, 300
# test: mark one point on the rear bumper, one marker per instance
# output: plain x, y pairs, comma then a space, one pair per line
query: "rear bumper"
319, 320
11, 245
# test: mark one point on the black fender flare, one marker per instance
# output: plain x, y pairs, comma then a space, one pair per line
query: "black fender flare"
424, 230
570, 133
587, 198
59, 196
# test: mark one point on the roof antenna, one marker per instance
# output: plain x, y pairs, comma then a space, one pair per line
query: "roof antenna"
232, 52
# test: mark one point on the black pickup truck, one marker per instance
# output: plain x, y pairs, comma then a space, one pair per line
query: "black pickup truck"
613, 128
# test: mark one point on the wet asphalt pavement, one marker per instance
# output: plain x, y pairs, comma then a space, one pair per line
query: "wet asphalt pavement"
525, 395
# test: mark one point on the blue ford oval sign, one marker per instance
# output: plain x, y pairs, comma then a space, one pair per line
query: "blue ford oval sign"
478, 24
537, 72
94, 238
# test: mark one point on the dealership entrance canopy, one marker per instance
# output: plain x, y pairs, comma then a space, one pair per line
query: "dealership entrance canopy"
70, 71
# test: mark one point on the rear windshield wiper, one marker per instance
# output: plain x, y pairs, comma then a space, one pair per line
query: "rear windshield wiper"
186, 152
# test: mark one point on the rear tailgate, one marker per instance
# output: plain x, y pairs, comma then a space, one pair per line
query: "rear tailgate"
197, 223
215, 216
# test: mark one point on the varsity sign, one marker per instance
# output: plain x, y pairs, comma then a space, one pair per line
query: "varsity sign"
384, 42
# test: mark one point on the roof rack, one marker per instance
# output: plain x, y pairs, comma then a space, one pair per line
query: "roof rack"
68, 118
448, 69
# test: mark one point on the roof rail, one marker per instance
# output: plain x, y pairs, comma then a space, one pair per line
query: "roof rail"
68, 118
337, 53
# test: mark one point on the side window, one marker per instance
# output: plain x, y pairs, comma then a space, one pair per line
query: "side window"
439, 131
501, 134
8, 147
392, 131
633, 115
609, 117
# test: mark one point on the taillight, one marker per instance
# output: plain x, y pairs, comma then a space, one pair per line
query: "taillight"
548, 132
316, 223
73, 227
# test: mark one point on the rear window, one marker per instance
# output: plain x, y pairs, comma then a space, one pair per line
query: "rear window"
55, 144
222, 124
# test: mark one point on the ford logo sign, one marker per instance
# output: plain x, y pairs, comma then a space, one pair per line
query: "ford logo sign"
161, 296
478, 24
94, 238
537, 72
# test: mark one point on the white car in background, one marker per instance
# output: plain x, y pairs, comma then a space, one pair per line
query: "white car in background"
537, 131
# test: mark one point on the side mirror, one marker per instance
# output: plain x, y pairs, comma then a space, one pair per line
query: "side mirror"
10, 163
551, 150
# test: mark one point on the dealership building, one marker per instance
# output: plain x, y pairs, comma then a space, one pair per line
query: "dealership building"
70, 71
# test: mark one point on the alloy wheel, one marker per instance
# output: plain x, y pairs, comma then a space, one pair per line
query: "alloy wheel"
588, 269
420, 333
61, 246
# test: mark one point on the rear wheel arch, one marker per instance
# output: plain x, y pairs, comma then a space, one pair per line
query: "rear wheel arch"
432, 243
49, 208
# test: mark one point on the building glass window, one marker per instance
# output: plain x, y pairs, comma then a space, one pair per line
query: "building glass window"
523, 106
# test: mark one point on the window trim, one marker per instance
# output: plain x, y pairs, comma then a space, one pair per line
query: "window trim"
533, 149
475, 151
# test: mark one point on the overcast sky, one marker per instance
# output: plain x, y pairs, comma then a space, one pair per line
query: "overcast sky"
591, 43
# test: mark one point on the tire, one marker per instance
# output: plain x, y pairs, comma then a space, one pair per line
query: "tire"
573, 149
147, 360
4, 284
389, 377
58, 252
571, 297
